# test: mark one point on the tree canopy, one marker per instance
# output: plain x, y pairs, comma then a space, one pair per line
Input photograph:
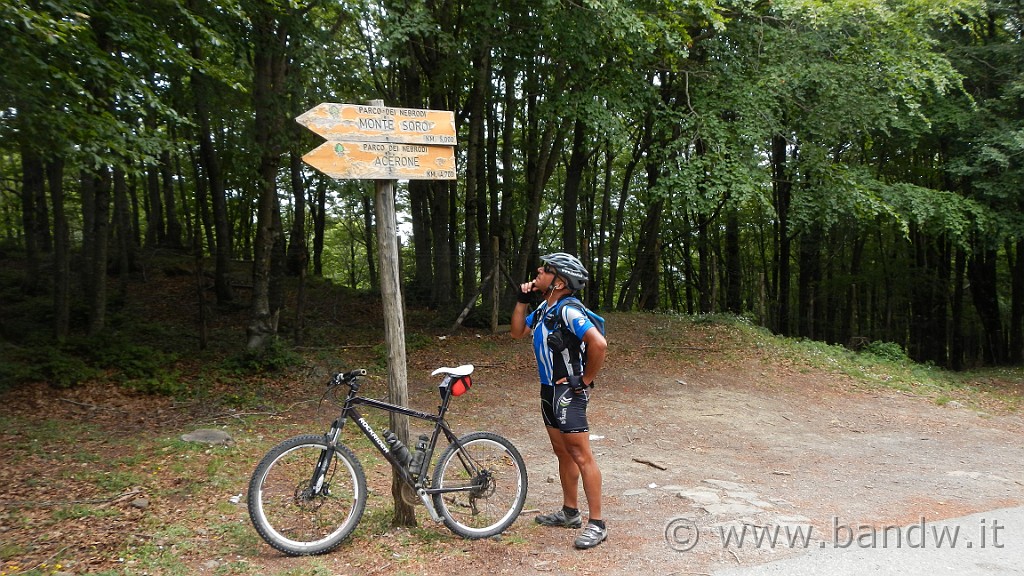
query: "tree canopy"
847, 170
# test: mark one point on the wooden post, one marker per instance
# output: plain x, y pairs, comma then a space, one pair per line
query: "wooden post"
394, 328
374, 142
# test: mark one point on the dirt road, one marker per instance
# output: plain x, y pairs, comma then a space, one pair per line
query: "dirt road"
694, 447
703, 434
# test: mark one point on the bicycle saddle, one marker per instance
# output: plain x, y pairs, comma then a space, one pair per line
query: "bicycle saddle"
464, 370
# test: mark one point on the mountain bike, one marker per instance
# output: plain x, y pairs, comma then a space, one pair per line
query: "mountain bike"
309, 492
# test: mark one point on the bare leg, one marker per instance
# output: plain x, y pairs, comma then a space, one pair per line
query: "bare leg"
568, 471
577, 447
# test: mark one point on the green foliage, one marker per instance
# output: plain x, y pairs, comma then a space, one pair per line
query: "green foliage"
416, 341
889, 351
901, 121
118, 350
278, 355
112, 355
50, 364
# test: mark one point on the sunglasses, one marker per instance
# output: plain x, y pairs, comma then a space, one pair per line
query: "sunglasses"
550, 270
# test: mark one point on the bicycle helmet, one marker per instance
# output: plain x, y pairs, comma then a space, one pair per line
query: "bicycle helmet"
569, 267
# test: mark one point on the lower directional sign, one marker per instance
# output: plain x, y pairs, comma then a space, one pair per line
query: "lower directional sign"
383, 161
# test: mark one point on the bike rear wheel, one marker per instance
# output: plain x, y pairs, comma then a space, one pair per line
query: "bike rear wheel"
493, 475
292, 515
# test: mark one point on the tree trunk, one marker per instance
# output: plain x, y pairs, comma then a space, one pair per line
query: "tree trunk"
476, 183
87, 190
61, 251
650, 261
172, 230
32, 186
851, 327
394, 334
368, 240
733, 263
956, 341
122, 231
573, 181
298, 251
981, 271
319, 226
442, 289
640, 147
192, 226
212, 171
588, 201
596, 290
1016, 352
269, 65
927, 314
155, 232
782, 187
98, 247
492, 258
808, 281
541, 149
509, 108
204, 218
705, 278
422, 236
278, 263
453, 240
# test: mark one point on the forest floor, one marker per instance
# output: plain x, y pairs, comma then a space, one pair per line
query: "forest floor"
698, 427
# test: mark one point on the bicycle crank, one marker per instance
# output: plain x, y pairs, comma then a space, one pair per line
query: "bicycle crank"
409, 495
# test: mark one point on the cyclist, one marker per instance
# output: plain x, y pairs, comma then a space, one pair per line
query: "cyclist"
570, 351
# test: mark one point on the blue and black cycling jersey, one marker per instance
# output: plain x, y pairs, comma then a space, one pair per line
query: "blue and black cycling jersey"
553, 366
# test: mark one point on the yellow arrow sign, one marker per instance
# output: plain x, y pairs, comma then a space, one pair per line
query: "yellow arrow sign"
383, 161
357, 123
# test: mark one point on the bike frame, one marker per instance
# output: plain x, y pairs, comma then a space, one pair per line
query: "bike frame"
352, 400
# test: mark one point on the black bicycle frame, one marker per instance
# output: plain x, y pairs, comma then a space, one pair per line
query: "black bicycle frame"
350, 411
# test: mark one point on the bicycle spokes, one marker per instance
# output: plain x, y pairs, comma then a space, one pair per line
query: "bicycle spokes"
298, 511
483, 480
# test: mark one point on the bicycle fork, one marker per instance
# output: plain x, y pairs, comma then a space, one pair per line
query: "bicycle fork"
323, 464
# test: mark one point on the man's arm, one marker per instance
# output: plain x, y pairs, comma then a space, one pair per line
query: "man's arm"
519, 328
597, 347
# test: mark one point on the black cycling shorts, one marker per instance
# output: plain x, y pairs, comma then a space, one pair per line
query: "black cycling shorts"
564, 409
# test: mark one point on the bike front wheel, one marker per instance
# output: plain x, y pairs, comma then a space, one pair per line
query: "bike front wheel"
299, 509
484, 481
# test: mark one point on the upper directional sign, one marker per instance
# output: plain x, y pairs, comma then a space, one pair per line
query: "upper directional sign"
357, 123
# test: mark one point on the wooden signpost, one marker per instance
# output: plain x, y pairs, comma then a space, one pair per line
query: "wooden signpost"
380, 124
383, 160
375, 142
382, 143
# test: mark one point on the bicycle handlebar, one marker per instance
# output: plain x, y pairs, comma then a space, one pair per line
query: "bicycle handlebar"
346, 377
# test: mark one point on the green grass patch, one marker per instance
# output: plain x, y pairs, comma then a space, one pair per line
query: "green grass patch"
882, 365
84, 511
10, 551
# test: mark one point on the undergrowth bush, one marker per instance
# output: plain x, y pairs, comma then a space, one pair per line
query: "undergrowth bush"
886, 351
51, 364
276, 356
82, 358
